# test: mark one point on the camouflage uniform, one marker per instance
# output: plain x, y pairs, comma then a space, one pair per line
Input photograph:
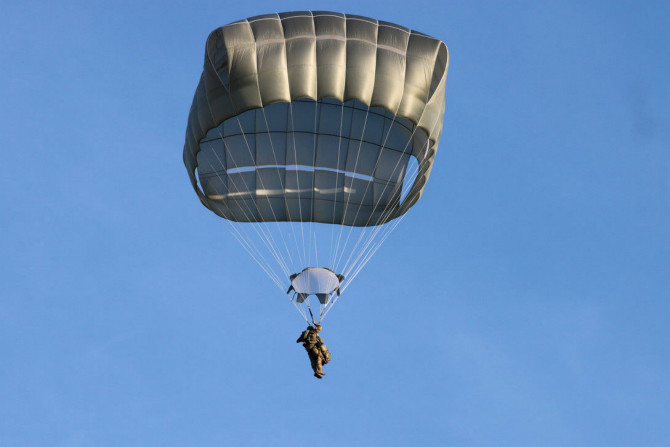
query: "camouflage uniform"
312, 343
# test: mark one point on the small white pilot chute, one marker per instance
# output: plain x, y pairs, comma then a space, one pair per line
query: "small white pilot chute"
318, 281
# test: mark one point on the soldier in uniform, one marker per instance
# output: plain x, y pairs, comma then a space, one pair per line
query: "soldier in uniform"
315, 348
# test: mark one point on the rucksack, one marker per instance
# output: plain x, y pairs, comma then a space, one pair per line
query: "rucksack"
325, 354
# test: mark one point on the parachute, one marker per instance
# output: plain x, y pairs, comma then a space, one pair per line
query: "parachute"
312, 134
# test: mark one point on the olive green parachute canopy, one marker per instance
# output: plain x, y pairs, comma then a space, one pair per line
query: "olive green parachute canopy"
314, 117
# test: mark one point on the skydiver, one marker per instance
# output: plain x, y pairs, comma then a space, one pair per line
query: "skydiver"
316, 349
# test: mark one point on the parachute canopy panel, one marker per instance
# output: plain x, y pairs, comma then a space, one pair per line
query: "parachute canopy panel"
313, 117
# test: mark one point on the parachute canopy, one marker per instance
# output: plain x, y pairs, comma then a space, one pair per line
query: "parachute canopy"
306, 123
313, 117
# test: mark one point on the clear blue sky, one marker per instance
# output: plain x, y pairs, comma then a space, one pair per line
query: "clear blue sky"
525, 301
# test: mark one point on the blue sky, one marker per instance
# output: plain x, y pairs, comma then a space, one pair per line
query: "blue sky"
525, 300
